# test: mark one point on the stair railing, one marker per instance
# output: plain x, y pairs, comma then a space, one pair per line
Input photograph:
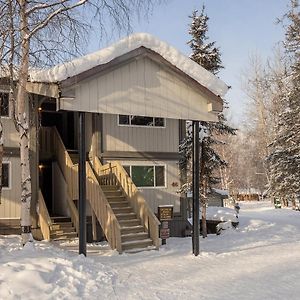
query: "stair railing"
103, 210
44, 218
50, 137
95, 195
113, 173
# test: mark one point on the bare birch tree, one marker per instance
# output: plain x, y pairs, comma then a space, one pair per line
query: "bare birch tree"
41, 33
263, 83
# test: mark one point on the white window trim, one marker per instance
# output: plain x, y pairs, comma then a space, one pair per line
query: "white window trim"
140, 126
9, 116
9, 176
149, 165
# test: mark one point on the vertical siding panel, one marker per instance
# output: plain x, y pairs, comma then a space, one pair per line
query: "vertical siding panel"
10, 207
93, 95
149, 109
104, 132
11, 136
147, 86
126, 138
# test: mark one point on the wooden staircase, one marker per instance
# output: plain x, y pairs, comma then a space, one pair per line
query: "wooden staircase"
133, 234
62, 228
124, 215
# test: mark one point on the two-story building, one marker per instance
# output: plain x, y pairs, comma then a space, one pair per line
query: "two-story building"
136, 95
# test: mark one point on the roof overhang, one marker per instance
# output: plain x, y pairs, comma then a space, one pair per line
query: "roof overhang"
61, 89
50, 90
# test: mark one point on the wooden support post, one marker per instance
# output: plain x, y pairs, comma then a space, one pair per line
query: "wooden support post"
82, 184
196, 178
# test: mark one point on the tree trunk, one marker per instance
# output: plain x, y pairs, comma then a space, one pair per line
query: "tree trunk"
23, 128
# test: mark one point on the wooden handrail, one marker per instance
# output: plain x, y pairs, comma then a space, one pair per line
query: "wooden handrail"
95, 195
103, 211
44, 218
113, 173
50, 137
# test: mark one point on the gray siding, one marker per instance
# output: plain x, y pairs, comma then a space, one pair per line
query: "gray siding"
11, 136
162, 196
130, 138
141, 87
10, 199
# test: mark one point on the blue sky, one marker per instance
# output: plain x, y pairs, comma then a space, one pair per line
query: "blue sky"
239, 27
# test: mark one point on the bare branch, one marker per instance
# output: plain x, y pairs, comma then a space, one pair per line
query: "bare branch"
46, 21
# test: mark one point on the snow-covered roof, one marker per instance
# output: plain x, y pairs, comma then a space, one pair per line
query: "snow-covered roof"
125, 45
221, 192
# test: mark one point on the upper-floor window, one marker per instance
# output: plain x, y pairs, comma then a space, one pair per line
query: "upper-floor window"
129, 120
4, 104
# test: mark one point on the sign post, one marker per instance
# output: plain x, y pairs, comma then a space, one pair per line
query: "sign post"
165, 214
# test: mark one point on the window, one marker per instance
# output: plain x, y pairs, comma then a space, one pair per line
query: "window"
5, 175
141, 121
147, 176
4, 104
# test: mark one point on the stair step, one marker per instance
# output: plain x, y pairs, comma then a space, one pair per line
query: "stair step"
109, 187
132, 229
60, 225
116, 198
126, 216
137, 250
60, 219
114, 193
120, 210
62, 230
137, 244
63, 236
119, 204
134, 236
128, 223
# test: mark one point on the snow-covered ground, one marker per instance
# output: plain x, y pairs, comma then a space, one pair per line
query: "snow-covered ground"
259, 260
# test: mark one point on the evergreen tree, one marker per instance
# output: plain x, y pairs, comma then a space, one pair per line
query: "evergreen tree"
204, 52
208, 56
284, 159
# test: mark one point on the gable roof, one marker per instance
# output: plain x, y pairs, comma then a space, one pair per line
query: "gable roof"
79, 65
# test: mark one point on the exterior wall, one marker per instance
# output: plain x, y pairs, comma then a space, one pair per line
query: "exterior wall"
11, 136
141, 87
162, 196
146, 139
60, 205
141, 139
10, 199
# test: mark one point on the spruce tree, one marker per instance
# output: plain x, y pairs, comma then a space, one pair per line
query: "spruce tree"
206, 54
284, 160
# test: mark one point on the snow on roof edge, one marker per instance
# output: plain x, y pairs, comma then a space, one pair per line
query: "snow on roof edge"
123, 46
